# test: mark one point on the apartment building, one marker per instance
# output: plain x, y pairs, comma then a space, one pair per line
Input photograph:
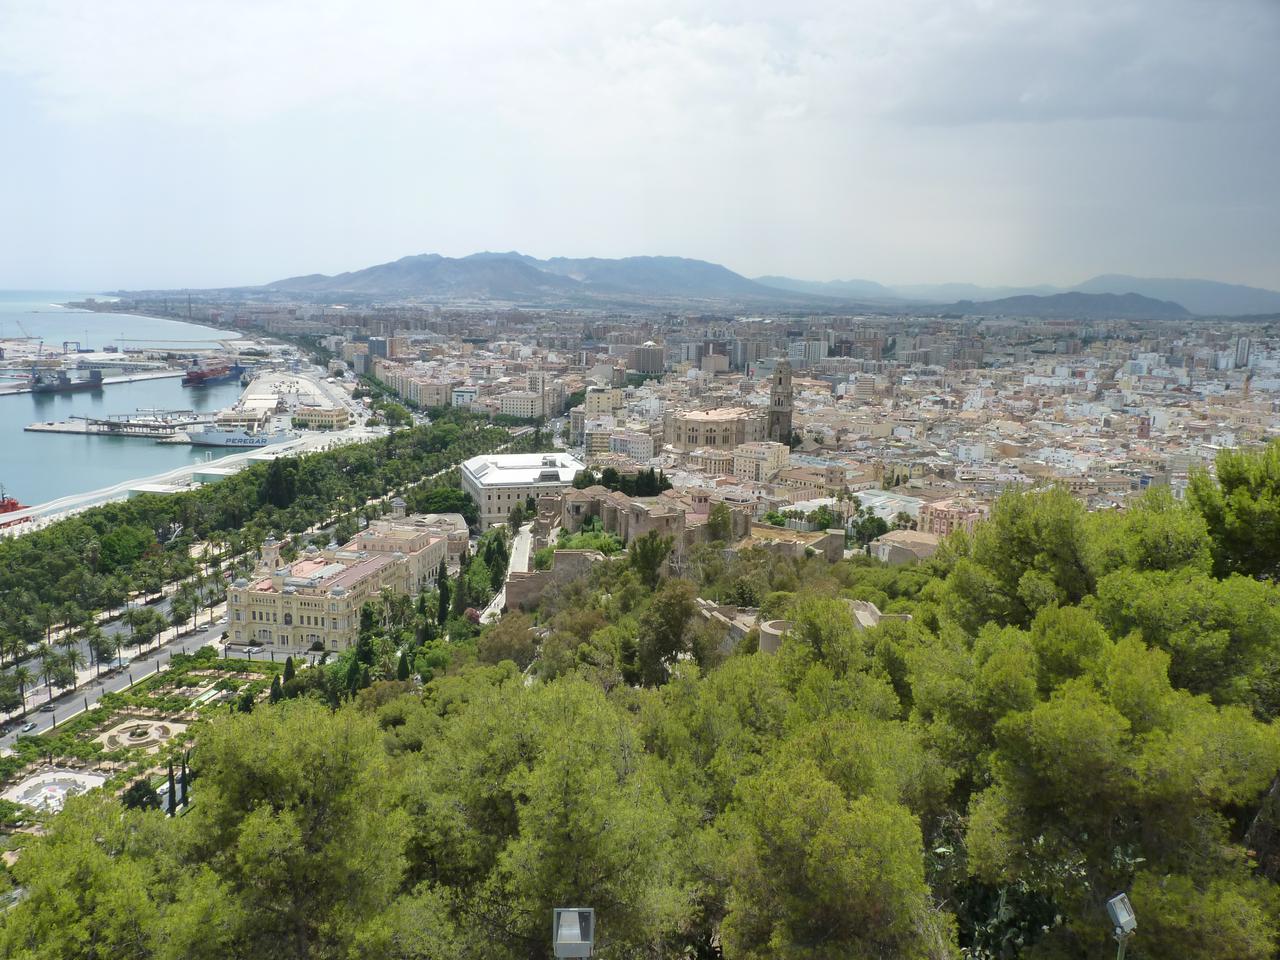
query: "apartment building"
943, 517
760, 461
632, 444
522, 403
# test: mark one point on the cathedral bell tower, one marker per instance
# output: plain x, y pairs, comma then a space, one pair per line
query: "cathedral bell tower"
780, 403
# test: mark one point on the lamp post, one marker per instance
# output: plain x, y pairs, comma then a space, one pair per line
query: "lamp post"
573, 931
1123, 922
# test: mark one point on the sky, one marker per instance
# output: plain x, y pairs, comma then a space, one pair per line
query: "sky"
154, 144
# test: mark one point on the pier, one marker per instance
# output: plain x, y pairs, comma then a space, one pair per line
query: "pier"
150, 424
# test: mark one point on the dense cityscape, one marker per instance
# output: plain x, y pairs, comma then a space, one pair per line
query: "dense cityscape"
748, 481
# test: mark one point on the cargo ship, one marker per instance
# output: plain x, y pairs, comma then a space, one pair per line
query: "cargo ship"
212, 435
206, 374
62, 383
9, 505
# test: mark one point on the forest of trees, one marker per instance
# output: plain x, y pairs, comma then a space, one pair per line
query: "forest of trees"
1080, 704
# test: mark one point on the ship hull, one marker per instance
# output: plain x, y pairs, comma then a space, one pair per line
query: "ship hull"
64, 384
198, 378
75, 387
235, 438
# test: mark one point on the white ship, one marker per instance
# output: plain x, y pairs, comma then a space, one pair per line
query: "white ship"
212, 435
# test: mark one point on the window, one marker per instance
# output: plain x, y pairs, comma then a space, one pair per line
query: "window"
288, 619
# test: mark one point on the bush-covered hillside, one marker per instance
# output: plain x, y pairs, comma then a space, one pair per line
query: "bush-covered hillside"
1081, 704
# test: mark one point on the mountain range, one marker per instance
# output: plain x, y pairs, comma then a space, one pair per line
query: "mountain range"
1205, 297
518, 278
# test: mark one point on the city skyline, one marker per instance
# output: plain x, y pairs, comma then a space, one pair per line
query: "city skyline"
1004, 145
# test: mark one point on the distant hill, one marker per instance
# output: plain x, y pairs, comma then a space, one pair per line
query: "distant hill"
514, 276
519, 278
946, 292
502, 277
1204, 297
1207, 297
861, 289
1067, 305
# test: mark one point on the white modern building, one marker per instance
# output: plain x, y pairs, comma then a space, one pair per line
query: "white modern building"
497, 482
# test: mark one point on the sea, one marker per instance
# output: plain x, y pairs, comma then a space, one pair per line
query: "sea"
39, 467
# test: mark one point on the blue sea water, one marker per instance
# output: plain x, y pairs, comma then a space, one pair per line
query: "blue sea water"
39, 467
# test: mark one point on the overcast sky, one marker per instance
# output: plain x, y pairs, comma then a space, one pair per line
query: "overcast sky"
190, 143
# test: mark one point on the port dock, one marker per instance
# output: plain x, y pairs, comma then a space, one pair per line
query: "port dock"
149, 424
25, 387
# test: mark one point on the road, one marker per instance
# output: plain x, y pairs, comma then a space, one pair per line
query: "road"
113, 681
519, 563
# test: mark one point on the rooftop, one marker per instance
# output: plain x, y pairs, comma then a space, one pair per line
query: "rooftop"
504, 469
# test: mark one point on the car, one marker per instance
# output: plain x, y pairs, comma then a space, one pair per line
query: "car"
28, 727
222, 620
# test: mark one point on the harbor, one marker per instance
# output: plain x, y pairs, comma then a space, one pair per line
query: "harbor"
146, 431
273, 407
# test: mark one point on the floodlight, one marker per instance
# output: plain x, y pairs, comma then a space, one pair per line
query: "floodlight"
1121, 913
573, 931
1123, 922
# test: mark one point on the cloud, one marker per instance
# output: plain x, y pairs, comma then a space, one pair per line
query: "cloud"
904, 139
928, 61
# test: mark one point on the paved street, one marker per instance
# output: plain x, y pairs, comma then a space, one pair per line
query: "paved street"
91, 690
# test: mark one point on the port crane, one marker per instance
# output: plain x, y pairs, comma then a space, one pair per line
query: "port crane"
35, 364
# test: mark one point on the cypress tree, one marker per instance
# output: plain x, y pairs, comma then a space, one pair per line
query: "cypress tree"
442, 587
173, 791
289, 671
274, 696
402, 668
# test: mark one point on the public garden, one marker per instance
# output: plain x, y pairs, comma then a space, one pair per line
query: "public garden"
127, 738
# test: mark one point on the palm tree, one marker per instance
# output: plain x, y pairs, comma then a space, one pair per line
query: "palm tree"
97, 642
74, 658
46, 617
24, 678
48, 666
67, 640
